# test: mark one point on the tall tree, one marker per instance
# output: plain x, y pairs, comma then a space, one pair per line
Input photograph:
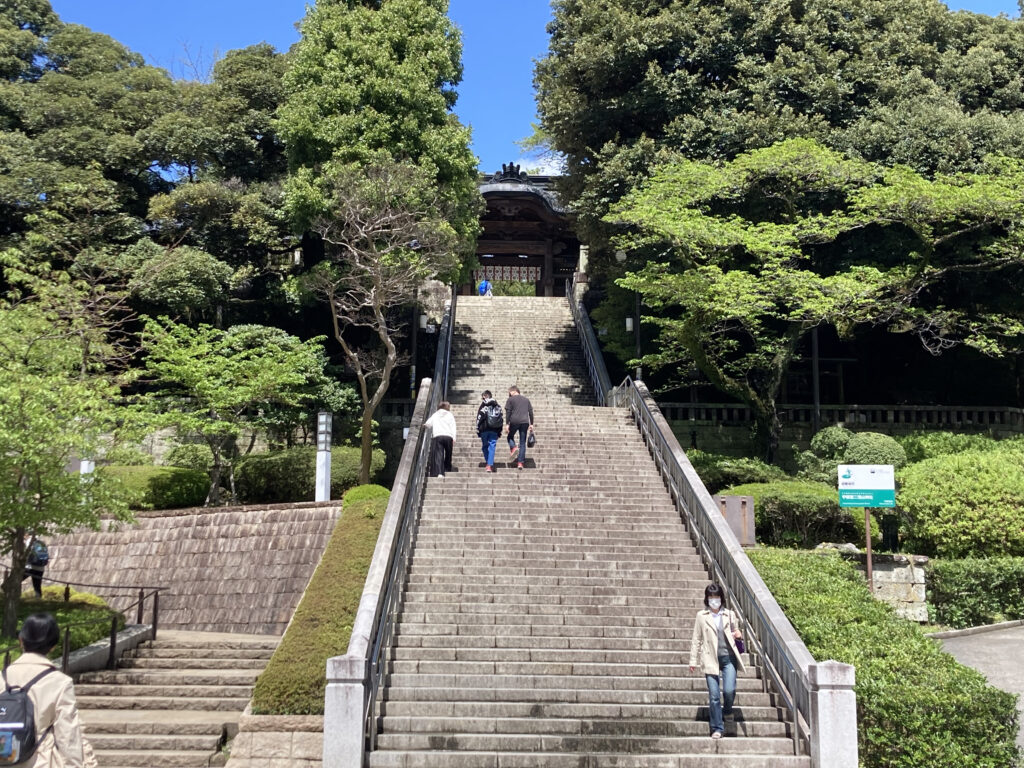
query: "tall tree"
895, 82
370, 92
744, 258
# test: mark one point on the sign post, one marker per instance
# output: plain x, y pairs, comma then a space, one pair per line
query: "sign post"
869, 486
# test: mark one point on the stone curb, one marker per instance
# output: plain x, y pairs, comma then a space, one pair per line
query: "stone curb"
93, 657
975, 630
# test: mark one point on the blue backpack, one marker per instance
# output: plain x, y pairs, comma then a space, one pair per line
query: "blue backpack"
485, 286
38, 554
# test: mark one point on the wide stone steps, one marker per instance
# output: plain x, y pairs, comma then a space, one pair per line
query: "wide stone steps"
173, 702
548, 611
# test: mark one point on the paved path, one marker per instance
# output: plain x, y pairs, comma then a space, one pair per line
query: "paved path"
997, 653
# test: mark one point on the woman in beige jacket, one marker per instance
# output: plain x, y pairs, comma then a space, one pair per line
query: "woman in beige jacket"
59, 739
715, 633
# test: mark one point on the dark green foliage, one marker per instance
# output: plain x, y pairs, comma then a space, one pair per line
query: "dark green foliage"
831, 442
293, 682
978, 591
874, 448
197, 456
290, 475
916, 706
718, 471
162, 487
927, 445
800, 513
968, 504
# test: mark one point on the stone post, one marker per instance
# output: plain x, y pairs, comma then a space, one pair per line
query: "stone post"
833, 715
344, 740
323, 456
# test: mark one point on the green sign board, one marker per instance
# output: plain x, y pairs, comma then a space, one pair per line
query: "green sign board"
867, 485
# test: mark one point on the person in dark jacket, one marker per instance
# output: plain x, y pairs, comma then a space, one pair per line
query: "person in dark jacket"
488, 432
519, 415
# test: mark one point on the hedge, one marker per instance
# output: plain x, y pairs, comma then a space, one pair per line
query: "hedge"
965, 505
290, 475
151, 487
974, 592
927, 445
293, 682
87, 614
717, 471
801, 513
916, 706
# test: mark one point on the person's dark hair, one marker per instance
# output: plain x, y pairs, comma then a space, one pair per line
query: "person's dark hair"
39, 633
713, 590
487, 394
444, 405
514, 388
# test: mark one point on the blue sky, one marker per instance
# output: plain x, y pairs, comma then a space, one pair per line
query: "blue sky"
501, 39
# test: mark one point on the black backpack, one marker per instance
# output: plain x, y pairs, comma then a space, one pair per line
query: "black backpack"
18, 722
38, 553
494, 417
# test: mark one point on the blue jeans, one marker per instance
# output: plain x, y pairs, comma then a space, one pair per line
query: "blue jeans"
488, 440
724, 695
522, 429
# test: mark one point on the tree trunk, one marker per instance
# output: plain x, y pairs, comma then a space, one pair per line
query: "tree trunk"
366, 444
12, 584
213, 496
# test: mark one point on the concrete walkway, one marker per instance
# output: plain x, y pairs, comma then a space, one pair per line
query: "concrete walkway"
997, 651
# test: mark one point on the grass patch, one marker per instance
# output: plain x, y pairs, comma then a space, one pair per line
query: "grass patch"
87, 615
916, 706
151, 487
293, 682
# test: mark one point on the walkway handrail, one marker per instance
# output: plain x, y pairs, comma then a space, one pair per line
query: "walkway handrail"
599, 377
142, 592
353, 680
806, 687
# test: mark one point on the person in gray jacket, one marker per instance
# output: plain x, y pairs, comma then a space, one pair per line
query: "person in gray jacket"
519, 416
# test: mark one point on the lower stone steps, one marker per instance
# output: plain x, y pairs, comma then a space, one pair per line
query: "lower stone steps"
721, 757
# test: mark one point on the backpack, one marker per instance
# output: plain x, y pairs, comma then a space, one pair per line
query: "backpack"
18, 722
38, 553
494, 417
485, 286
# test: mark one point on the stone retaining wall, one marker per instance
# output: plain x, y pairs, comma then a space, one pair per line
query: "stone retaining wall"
237, 569
277, 742
899, 581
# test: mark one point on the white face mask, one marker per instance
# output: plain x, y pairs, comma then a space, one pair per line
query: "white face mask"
714, 603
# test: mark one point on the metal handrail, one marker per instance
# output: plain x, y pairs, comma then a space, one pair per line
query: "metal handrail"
592, 355
773, 638
369, 647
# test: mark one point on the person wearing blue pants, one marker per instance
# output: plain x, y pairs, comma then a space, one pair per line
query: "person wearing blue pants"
714, 645
489, 421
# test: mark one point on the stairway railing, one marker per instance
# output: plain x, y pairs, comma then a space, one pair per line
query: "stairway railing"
807, 689
354, 680
596, 368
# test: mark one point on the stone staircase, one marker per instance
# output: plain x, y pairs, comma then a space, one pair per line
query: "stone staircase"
548, 611
172, 702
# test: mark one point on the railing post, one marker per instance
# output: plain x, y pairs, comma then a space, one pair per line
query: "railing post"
833, 715
142, 601
344, 702
156, 612
67, 593
65, 661
112, 658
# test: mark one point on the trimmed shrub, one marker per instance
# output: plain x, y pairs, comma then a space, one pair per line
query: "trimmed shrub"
831, 442
873, 448
718, 471
974, 592
290, 475
197, 456
293, 682
927, 445
800, 513
966, 505
916, 705
162, 487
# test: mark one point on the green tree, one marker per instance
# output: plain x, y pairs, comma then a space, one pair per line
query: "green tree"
56, 407
386, 234
213, 383
744, 258
893, 82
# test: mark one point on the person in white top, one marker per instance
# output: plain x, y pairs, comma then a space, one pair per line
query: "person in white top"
442, 427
